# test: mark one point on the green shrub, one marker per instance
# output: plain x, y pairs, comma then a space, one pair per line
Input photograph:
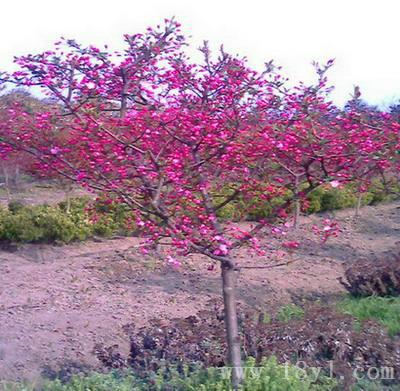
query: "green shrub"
54, 224
327, 198
289, 312
15, 206
376, 385
105, 226
385, 310
44, 223
40, 224
314, 200
106, 217
77, 205
379, 193
267, 376
110, 218
92, 382
339, 199
253, 209
19, 227
323, 198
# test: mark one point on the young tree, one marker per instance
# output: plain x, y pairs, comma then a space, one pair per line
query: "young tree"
177, 141
373, 137
156, 132
311, 142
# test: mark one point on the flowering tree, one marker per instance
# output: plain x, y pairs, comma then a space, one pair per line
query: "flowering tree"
14, 162
307, 140
176, 141
156, 132
311, 142
373, 137
302, 138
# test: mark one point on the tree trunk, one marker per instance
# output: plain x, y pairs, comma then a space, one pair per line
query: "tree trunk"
68, 190
17, 177
296, 215
6, 182
358, 205
231, 323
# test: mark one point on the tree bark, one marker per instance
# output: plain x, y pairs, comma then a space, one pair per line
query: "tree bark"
358, 205
17, 176
68, 189
6, 182
296, 215
231, 323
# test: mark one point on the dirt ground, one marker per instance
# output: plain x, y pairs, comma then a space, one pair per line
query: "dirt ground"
38, 192
57, 302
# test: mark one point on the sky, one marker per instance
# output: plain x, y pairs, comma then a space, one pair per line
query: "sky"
361, 35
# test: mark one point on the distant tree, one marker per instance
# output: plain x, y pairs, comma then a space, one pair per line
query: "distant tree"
356, 103
394, 110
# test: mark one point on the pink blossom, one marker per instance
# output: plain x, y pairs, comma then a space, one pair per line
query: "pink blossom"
55, 150
292, 244
223, 249
334, 183
173, 262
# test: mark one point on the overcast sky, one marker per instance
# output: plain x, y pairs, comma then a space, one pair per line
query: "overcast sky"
362, 35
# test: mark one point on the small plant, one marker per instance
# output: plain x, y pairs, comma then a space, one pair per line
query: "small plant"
370, 385
289, 312
58, 223
15, 205
93, 382
386, 310
266, 376
41, 223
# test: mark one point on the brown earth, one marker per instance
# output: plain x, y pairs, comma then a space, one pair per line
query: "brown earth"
37, 192
58, 302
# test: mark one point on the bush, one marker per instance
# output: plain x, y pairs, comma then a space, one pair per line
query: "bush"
289, 312
15, 205
325, 198
380, 192
44, 223
92, 382
386, 310
338, 199
329, 340
40, 224
110, 217
322, 337
370, 385
380, 277
266, 376
257, 207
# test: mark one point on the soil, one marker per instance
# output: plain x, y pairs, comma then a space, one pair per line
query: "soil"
36, 192
58, 302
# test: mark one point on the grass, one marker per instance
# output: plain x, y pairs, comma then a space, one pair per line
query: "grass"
385, 310
289, 312
266, 376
